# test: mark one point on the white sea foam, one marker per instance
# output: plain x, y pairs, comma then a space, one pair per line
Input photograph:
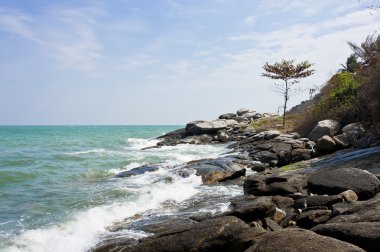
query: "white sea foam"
92, 151
85, 228
140, 143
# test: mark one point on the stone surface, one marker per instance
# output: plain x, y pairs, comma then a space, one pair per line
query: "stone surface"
227, 116
349, 196
294, 239
341, 140
216, 170
222, 136
219, 234
317, 200
311, 218
242, 111
275, 185
335, 181
138, 171
360, 211
198, 128
114, 245
325, 127
252, 209
363, 234
326, 144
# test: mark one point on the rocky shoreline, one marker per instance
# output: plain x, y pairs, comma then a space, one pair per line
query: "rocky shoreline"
319, 193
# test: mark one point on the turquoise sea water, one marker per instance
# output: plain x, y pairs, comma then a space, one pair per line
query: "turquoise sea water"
57, 190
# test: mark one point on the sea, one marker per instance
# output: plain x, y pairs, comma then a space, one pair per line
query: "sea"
58, 190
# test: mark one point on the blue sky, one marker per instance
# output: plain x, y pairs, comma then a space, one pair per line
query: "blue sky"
163, 61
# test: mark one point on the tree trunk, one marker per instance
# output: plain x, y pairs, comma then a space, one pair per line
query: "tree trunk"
286, 97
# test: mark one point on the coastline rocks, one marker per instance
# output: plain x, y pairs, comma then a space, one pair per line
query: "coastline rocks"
325, 127
242, 111
203, 127
335, 181
310, 218
228, 116
275, 185
226, 233
317, 200
326, 144
295, 239
138, 171
115, 244
216, 170
363, 234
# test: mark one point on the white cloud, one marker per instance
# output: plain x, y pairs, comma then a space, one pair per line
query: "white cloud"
250, 20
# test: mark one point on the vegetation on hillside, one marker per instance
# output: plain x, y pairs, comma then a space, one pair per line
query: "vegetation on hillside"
351, 95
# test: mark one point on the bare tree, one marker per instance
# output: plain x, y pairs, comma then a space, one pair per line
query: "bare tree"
289, 72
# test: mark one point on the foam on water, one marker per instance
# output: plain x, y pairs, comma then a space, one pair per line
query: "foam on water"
85, 228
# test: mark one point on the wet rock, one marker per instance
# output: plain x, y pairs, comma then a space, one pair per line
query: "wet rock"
349, 196
220, 234
275, 185
325, 127
294, 239
266, 157
308, 219
326, 144
360, 211
216, 170
335, 181
198, 139
138, 171
114, 245
363, 234
258, 166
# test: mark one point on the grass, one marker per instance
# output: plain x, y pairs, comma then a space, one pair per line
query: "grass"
274, 123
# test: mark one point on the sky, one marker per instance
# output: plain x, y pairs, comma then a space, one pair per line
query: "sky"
164, 61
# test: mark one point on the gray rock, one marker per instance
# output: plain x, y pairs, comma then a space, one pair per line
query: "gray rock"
311, 218
227, 116
325, 127
138, 171
326, 144
341, 140
222, 136
275, 185
216, 170
353, 127
335, 181
363, 234
199, 128
317, 200
114, 245
301, 154
220, 234
242, 111
253, 115
294, 239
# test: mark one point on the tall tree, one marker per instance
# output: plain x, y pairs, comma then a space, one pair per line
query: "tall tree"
289, 72
352, 65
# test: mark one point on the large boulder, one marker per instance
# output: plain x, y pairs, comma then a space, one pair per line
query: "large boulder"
203, 127
216, 170
294, 239
363, 234
275, 185
219, 234
360, 211
242, 111
326, 144
325, 127
227, 116
335, 181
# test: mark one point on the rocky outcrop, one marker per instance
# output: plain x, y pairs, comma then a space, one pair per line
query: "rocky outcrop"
326, 144
138, 171
295, 239
335, 181
325, 127
220, 234
362, 234
216, 170
203, 127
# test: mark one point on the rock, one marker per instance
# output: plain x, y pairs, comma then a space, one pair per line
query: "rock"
270, 225
241, 119
253, 115
325, 127
199, 139
295, 239
311, 218
216, 170
266, 157
242, 111
335, 181
349, 196
191, 124
360, 211
219, 234
363, 234
222, 136
198, 128
138, 171
275, 185
341, 141
326, 144
114, 245
252, 209
353, 127
227, 116
258, 166
279, 215
317, 200
301, 154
